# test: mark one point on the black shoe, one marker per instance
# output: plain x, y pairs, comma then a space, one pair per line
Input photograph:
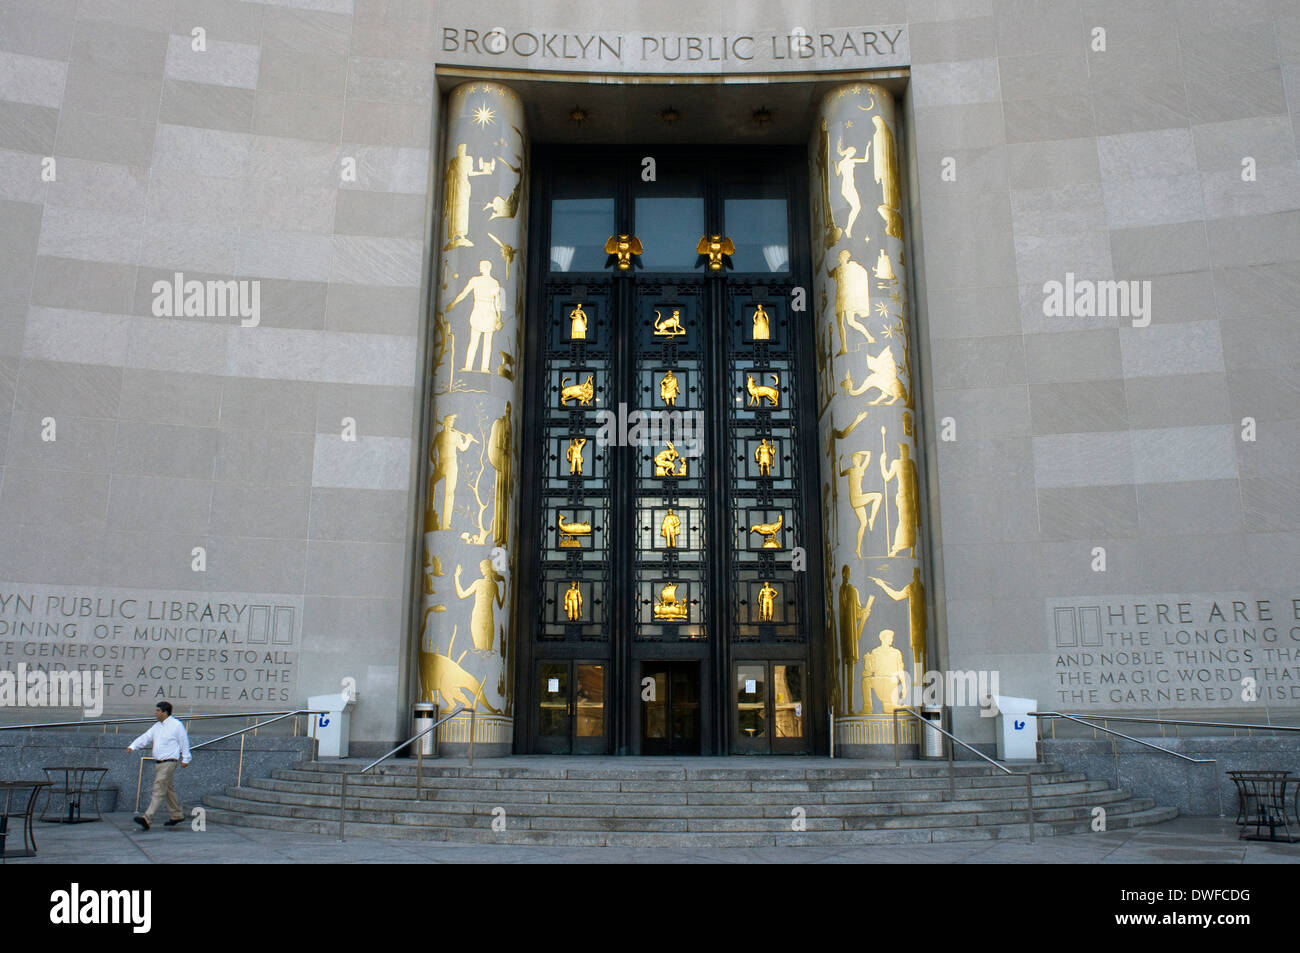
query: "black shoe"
142, 821
173, 823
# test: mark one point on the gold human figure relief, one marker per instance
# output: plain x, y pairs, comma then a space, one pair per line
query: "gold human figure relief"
569, 532
760, 392
624, 246
762, 324
669, 388
441, 675
508, 253
455, 206
833, 232
914, 593
670, 528
770, 532
766, 602
670, 327
853, 617
578, 324
764, 455
485, 591
882, 374
574, 455
506, 207
573, 602
485, 318
839, 434
902, 470
447, 443
669, 608
845, 169
667, 459
501, 455
852, 297
882, 674
884, 270
582, 393
715, 246
859, 498
886, 174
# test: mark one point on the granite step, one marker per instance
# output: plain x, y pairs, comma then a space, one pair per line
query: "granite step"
691, 839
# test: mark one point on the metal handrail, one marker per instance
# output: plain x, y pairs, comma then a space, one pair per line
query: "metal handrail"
191, 716
1218, 792
419, 759
1168, 721
952, 780
239, 771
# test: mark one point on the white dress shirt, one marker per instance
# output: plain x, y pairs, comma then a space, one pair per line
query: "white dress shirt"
169, 740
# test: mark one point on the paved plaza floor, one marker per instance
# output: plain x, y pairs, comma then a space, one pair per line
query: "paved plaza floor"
117, 840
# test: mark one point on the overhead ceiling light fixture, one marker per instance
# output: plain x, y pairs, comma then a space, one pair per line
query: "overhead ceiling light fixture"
670, 115
762, 115
579, 115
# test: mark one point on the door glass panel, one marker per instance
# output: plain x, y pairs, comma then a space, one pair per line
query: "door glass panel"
553, 711
591, 701
755, 217
582, 217
751, 700
654, 713
787, 686
669, 221
686, 706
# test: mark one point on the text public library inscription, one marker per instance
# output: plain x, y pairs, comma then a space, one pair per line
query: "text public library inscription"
1176, 651
197, 648
818, 49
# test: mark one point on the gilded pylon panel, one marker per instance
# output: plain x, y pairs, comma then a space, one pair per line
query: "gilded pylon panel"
471, 517
867, 412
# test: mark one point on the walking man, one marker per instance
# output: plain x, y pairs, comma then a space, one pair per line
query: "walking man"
170, 743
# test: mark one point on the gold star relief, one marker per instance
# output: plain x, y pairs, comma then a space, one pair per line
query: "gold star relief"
484, 116
882, 309
849, 124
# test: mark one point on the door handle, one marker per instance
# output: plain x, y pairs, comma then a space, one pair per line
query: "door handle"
624, 247
715, 246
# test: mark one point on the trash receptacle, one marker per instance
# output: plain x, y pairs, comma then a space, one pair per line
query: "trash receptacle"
1017, 729
933, 744
426, 713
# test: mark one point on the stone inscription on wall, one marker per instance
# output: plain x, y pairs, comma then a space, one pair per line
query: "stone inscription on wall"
1203, 650
794, 49
198, 650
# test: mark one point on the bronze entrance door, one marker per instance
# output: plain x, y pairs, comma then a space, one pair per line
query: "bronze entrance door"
670, 517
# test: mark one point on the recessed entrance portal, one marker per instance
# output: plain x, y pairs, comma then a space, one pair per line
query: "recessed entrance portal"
670, 522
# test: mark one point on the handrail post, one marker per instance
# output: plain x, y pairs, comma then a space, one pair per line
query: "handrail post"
343, 797
419, 767
139, 777
895, 737
473, 714
952, 780
239, 773
1029, 796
